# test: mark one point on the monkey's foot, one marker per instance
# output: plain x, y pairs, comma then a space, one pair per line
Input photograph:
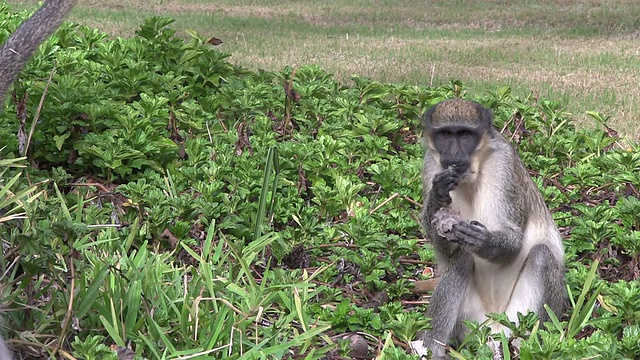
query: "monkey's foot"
417, 347
495, 347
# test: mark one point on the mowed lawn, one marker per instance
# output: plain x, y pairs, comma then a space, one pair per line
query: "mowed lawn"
585, 53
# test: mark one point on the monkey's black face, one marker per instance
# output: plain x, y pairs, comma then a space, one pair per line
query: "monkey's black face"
456, 144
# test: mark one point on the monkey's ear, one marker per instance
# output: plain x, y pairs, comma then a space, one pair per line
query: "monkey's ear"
427, 119
486, 117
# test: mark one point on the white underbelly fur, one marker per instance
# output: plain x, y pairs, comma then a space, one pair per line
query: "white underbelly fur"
491, 289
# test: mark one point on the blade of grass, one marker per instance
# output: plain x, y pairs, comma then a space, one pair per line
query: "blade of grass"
132, 299
218, 326
274, 187
5, 189
63, 203
582, 312
91, 295
553, 318
270, 165
504, 339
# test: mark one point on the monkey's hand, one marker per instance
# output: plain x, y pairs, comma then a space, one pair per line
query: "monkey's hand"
444, 182
470, 235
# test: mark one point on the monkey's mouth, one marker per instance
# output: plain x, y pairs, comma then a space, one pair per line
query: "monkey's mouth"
461, 170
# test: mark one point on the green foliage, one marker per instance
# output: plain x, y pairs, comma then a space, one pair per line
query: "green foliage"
12, 203
91, 348
181, 206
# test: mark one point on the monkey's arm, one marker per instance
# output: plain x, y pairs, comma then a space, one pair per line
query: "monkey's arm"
17, 50
437, 198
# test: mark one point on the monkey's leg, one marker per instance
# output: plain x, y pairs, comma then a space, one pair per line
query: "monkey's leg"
446, 303
540, 282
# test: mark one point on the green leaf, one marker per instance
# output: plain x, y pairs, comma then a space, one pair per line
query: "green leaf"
60, 139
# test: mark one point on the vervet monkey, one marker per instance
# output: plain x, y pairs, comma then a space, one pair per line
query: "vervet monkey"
18, 49
494, 238
21, 45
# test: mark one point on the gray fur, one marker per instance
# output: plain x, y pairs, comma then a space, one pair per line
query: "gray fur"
504, 252
5, 354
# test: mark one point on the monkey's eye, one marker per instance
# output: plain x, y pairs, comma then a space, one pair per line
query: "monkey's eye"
445, 134
465, 134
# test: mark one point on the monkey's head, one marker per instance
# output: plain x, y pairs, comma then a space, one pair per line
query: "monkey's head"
454, 130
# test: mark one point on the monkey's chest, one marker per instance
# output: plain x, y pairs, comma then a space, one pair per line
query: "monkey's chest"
477, 201
494, 283
463, 204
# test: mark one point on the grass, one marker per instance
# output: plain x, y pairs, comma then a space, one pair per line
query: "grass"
583, 52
